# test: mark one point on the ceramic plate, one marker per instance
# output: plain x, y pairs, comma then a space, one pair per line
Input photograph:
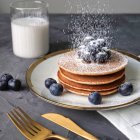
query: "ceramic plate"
47, 67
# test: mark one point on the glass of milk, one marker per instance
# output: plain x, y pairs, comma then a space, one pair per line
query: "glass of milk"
30, 28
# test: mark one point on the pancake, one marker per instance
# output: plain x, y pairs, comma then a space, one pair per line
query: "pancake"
104, 87
70, 63
86, 93
92, 80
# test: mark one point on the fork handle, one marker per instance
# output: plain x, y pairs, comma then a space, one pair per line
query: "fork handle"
57, 136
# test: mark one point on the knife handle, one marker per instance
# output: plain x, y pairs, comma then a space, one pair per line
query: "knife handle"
56, 137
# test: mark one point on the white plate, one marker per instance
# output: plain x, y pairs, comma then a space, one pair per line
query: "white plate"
47, 67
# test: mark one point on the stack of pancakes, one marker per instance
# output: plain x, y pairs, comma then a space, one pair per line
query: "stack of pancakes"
83, 78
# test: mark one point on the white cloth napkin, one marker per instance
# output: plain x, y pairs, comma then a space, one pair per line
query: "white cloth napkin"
127, 120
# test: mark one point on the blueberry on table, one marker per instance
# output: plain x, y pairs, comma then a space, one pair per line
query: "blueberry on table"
95, 98
56, 89
3, 85
6, 77
126, 89
14, 84
49, 82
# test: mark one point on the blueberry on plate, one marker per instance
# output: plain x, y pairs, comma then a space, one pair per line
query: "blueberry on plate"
56, 89
95, 98
3, 85
6, 77
126, 89
14, 84
49, 82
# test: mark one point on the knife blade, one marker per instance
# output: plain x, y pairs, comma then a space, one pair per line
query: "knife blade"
68, 124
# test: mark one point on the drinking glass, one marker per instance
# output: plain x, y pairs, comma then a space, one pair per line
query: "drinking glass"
30, 28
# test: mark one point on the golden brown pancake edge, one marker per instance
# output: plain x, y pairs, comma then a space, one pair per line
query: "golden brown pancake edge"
86, 93
104, 87
92, 80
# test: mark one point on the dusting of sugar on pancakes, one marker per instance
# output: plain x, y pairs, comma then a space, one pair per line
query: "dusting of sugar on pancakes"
71, 63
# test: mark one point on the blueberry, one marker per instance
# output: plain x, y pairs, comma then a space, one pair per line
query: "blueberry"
56, 89
126, 89
84, 55
92, 43
6, 77
100, 41
102, 44
92, 49
49, 82
101, 57
87, 39
14, 84
95, 98
87, 58
3, 85
107, 50
93, 57
109, 54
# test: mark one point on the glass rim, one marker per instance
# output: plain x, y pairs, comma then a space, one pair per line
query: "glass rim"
40, 3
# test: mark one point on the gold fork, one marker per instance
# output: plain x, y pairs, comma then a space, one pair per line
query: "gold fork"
29, 128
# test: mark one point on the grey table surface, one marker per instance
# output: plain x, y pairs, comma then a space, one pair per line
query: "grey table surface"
127, 33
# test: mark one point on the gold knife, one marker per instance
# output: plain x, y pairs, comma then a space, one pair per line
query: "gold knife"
68, 124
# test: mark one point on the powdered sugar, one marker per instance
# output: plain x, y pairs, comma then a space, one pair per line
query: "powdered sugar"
88, 25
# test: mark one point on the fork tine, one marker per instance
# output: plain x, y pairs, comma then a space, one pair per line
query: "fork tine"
23, 125
21, 129
26, 122
35, 124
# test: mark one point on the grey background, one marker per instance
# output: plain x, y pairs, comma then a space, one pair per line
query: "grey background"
103, 6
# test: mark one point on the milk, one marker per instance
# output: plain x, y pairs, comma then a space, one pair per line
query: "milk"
30, 37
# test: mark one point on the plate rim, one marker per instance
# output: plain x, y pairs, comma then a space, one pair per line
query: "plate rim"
40, 60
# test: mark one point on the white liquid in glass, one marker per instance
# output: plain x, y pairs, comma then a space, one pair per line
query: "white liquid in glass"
30, 37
